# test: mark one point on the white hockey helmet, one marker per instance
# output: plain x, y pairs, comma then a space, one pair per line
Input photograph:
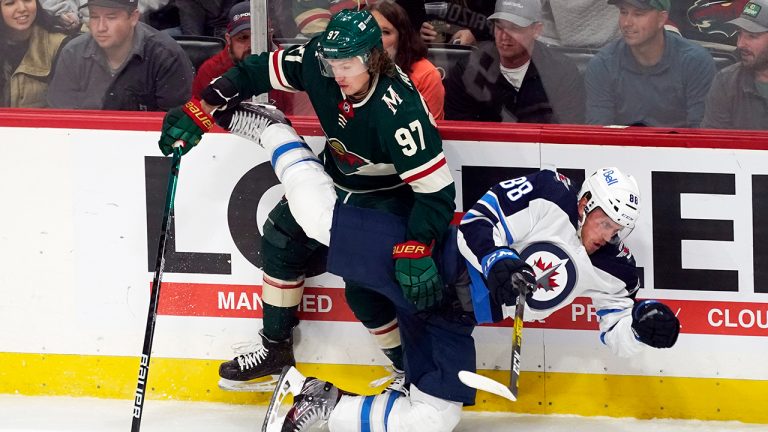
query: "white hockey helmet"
616, 193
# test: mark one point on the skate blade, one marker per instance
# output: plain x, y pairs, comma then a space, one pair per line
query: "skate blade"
291, 381
262, 385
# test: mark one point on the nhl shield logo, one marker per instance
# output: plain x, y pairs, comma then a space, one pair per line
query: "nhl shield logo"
556, 275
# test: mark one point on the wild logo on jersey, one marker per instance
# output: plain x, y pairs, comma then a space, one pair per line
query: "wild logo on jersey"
348, 162
555, 274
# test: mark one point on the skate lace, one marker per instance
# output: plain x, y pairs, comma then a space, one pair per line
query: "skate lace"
396, 379
252, 359
248, 125
245, 347
398, 384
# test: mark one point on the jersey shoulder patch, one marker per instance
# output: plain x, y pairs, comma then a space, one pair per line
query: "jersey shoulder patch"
558, 189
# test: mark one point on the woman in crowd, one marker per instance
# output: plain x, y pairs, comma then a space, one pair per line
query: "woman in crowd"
29, 45
406, 48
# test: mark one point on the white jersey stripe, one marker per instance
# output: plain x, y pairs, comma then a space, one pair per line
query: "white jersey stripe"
276, 75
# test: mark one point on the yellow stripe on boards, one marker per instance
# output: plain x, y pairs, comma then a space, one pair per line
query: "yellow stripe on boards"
540, 393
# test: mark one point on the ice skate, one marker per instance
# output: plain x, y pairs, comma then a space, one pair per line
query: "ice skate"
257, 366
249, 120
313, 402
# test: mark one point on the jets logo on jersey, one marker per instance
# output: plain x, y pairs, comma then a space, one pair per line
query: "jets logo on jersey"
348, 162
392, 99
556, 275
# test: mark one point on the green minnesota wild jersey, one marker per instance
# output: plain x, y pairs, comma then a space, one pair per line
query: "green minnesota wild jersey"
386, 145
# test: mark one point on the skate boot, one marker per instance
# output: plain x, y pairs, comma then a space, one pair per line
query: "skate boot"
249, 120
313, 402
256, 369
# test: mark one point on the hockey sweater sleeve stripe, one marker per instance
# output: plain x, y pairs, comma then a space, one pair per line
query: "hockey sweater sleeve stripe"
431, 177
276, 73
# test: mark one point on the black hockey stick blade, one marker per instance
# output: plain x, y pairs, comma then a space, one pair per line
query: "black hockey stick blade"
517, 342
149, 332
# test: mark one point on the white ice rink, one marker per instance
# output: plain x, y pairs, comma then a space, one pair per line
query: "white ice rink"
59, 414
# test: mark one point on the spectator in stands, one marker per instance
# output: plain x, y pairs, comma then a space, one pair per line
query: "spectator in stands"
70, 13
579, 23
405, 47
238, 37
650, 77
66, 13
738, 98
465, 23
204, 17
122, 64
515, 78
29, 46
312, 16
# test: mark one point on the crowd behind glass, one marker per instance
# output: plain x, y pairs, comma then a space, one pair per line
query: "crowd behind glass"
666, 63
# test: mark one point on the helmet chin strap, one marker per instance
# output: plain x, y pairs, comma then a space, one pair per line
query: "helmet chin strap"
580, 224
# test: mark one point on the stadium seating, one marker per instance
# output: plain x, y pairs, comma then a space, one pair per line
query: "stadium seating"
200, 48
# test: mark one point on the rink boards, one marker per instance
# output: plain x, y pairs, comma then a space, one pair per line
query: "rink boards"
82, 203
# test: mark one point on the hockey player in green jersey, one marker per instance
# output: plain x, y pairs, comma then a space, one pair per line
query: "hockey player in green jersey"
382, 151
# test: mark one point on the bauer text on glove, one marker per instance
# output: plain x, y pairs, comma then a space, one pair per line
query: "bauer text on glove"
187, 124
417, 274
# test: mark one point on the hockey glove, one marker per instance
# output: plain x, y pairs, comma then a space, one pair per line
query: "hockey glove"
221, 93
417, 274
187, 123
654, 324
507, 276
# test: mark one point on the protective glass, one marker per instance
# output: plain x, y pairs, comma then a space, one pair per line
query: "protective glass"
347, 67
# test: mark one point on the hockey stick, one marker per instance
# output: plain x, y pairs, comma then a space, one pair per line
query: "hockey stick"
486, 384
517, 344
149, 332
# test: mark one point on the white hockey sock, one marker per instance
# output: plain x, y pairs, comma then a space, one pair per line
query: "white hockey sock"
308, 188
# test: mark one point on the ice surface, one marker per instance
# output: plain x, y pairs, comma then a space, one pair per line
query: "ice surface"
63, 414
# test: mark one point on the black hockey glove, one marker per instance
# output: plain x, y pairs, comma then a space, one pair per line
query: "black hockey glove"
654, 324
221, 93
507, 276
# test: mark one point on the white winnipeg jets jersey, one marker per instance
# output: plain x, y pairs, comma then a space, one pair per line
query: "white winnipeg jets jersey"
537, 216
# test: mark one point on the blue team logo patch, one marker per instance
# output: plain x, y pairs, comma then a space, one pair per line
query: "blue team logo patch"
556, 275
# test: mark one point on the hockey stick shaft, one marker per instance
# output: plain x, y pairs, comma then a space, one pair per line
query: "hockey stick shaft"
517, 344
149, 332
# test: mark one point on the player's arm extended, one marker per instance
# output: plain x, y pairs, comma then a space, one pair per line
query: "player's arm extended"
626, 325
257, 74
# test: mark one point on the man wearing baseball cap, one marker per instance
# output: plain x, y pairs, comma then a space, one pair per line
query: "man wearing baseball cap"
649, 77
738, 98
238, 47
121, 64
515, 78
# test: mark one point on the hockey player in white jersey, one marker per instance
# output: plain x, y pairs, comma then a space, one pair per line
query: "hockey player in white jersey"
568, 245
563, 243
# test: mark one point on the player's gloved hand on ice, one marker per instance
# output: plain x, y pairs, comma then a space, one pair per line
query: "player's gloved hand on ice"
417, 274
655, 324
507, 276
186, 123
